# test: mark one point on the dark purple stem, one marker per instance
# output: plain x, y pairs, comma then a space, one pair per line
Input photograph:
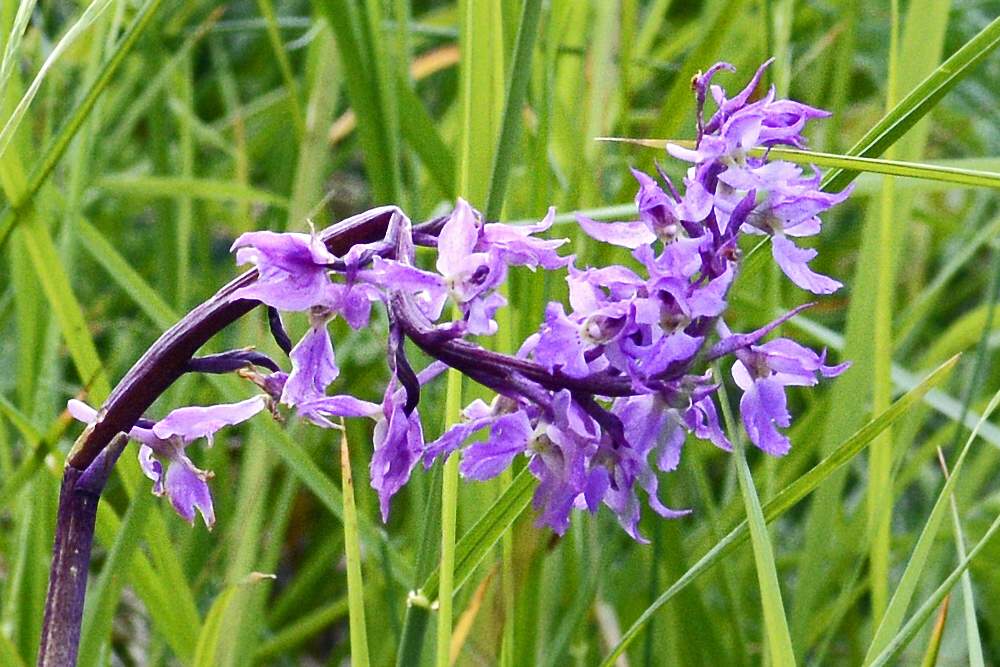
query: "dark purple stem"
471, 358
78, 498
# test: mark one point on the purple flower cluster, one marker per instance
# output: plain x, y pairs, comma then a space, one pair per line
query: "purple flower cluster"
602, 398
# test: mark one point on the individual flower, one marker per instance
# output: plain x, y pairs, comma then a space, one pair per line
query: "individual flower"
398, 437
472, 262
661, 216
313, 366
166, 441
292, 269
763, 372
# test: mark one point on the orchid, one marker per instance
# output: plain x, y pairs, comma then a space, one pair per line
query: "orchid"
603, 398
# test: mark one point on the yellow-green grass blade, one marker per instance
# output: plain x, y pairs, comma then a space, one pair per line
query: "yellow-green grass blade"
213, 633
941, 173
87, 19
779, 641
295, 633
920, 616
352, 551
69, 315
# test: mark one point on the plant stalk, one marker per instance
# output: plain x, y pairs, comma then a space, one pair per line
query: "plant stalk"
78, 498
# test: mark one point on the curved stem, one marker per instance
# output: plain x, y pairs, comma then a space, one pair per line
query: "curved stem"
168, 357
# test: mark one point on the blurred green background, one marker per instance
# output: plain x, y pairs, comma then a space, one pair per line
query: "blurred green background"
160, 130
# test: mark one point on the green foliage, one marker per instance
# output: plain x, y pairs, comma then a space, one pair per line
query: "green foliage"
138, 138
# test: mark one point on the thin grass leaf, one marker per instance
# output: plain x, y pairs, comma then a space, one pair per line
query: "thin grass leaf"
918, 102
57, 147
59, 292
362, 88
484, 534
352, 550
907, 585
207, 652
916, 622
878, 496
182, 187
937, 634
11, 48
973, 639
779, 640
303, 467
785, 500
266, 8
120, 271
510, 124
423, 137
930, 172
87, 19
301, 630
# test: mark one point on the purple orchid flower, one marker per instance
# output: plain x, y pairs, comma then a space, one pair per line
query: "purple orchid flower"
472, 262
166, 441
763, 372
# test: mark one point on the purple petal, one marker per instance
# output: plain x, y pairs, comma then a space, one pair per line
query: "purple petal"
762, 409
793, 260
508, 437
625, 234
398, 442
560, 345
193, 422
457, 239
188, 491
313, 367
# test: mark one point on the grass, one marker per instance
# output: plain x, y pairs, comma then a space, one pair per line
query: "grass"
138, 139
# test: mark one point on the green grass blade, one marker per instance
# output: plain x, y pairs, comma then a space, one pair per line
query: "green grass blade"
266, 8
57, 147
786, 499
206, 652
11, 48
907, 585
423, 137
303, 467
779, 641
918, 102
121, 272
973, 639
916, 622
484, 534
59, 292
517, 87
89, 16
361, 86
944, 174
352, 550
878, 495
300, 630
181, 186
